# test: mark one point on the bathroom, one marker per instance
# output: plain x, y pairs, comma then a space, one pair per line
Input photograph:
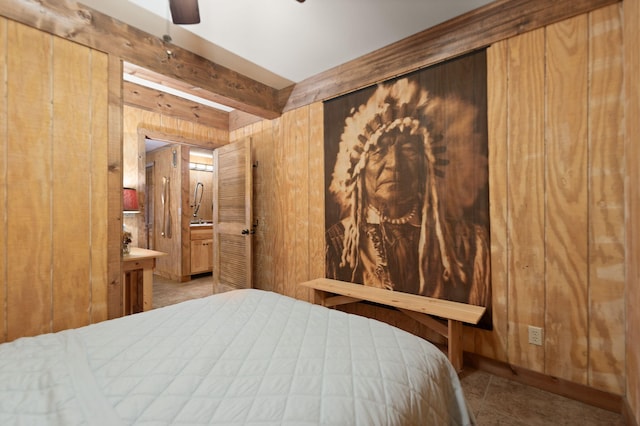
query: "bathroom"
174, 184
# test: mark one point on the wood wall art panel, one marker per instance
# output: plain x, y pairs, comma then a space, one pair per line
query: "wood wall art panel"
548, 176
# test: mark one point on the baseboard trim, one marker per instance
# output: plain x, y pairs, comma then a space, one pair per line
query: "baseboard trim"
575, 391
627, 414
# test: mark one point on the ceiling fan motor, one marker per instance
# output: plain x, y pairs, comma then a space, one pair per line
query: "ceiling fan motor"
187, 12
184, 12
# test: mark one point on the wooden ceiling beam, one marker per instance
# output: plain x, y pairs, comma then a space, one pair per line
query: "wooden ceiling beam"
477, 29
165, 103
474, 30
76, 22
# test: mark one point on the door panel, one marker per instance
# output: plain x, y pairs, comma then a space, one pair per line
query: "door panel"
232, 216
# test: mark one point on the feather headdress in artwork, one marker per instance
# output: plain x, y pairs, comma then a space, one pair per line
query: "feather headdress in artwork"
446, 128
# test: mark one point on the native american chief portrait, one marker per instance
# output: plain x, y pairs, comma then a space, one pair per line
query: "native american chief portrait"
408, 179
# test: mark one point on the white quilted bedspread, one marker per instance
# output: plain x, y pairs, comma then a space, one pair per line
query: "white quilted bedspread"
246, 357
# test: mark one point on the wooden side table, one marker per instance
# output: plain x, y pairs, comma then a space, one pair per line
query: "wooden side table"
137, 267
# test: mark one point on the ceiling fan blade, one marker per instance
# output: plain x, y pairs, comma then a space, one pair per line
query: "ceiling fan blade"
184, 12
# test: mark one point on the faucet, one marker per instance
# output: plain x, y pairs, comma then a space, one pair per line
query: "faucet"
197, 201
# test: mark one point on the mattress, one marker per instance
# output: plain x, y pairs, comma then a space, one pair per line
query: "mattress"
246, 357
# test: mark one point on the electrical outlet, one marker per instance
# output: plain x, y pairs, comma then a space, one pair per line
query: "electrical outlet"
535, 335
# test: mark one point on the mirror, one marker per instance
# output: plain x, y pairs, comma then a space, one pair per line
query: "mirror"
201, 185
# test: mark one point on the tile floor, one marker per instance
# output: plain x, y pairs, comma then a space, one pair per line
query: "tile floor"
167, 292
494, 400
499, 401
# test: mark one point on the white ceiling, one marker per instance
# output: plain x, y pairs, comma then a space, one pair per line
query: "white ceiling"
280, 42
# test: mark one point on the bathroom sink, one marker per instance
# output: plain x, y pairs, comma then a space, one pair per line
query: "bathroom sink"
205, 223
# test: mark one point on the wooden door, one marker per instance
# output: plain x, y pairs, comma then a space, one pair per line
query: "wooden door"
232, 216
167, 220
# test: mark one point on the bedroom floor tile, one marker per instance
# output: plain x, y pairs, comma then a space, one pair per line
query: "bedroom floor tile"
167, 292
498, 401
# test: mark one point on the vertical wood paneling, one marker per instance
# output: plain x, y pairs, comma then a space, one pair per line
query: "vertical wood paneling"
184, 127
525, 170
277, 216
289, 195
54, 106
555, 195
316, 191
632, 196
29, 173
300, 164
202, 132
494, 344
168, 122
148, 120
130, 120
214, 137
99, 191
114, 183
3, 179
71, 189
267, 225
132, 168
606, 202
566, 345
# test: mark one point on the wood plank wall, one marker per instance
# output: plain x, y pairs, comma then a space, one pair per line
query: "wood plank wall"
571, 251
632, 172
54, 121
557, 217
278, 250
4, 136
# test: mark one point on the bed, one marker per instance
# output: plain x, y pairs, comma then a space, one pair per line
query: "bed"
238, 358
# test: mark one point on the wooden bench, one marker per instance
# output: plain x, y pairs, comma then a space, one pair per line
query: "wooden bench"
329, 293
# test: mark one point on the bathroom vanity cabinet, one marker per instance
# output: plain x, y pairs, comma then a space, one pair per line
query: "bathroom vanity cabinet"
201, 248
